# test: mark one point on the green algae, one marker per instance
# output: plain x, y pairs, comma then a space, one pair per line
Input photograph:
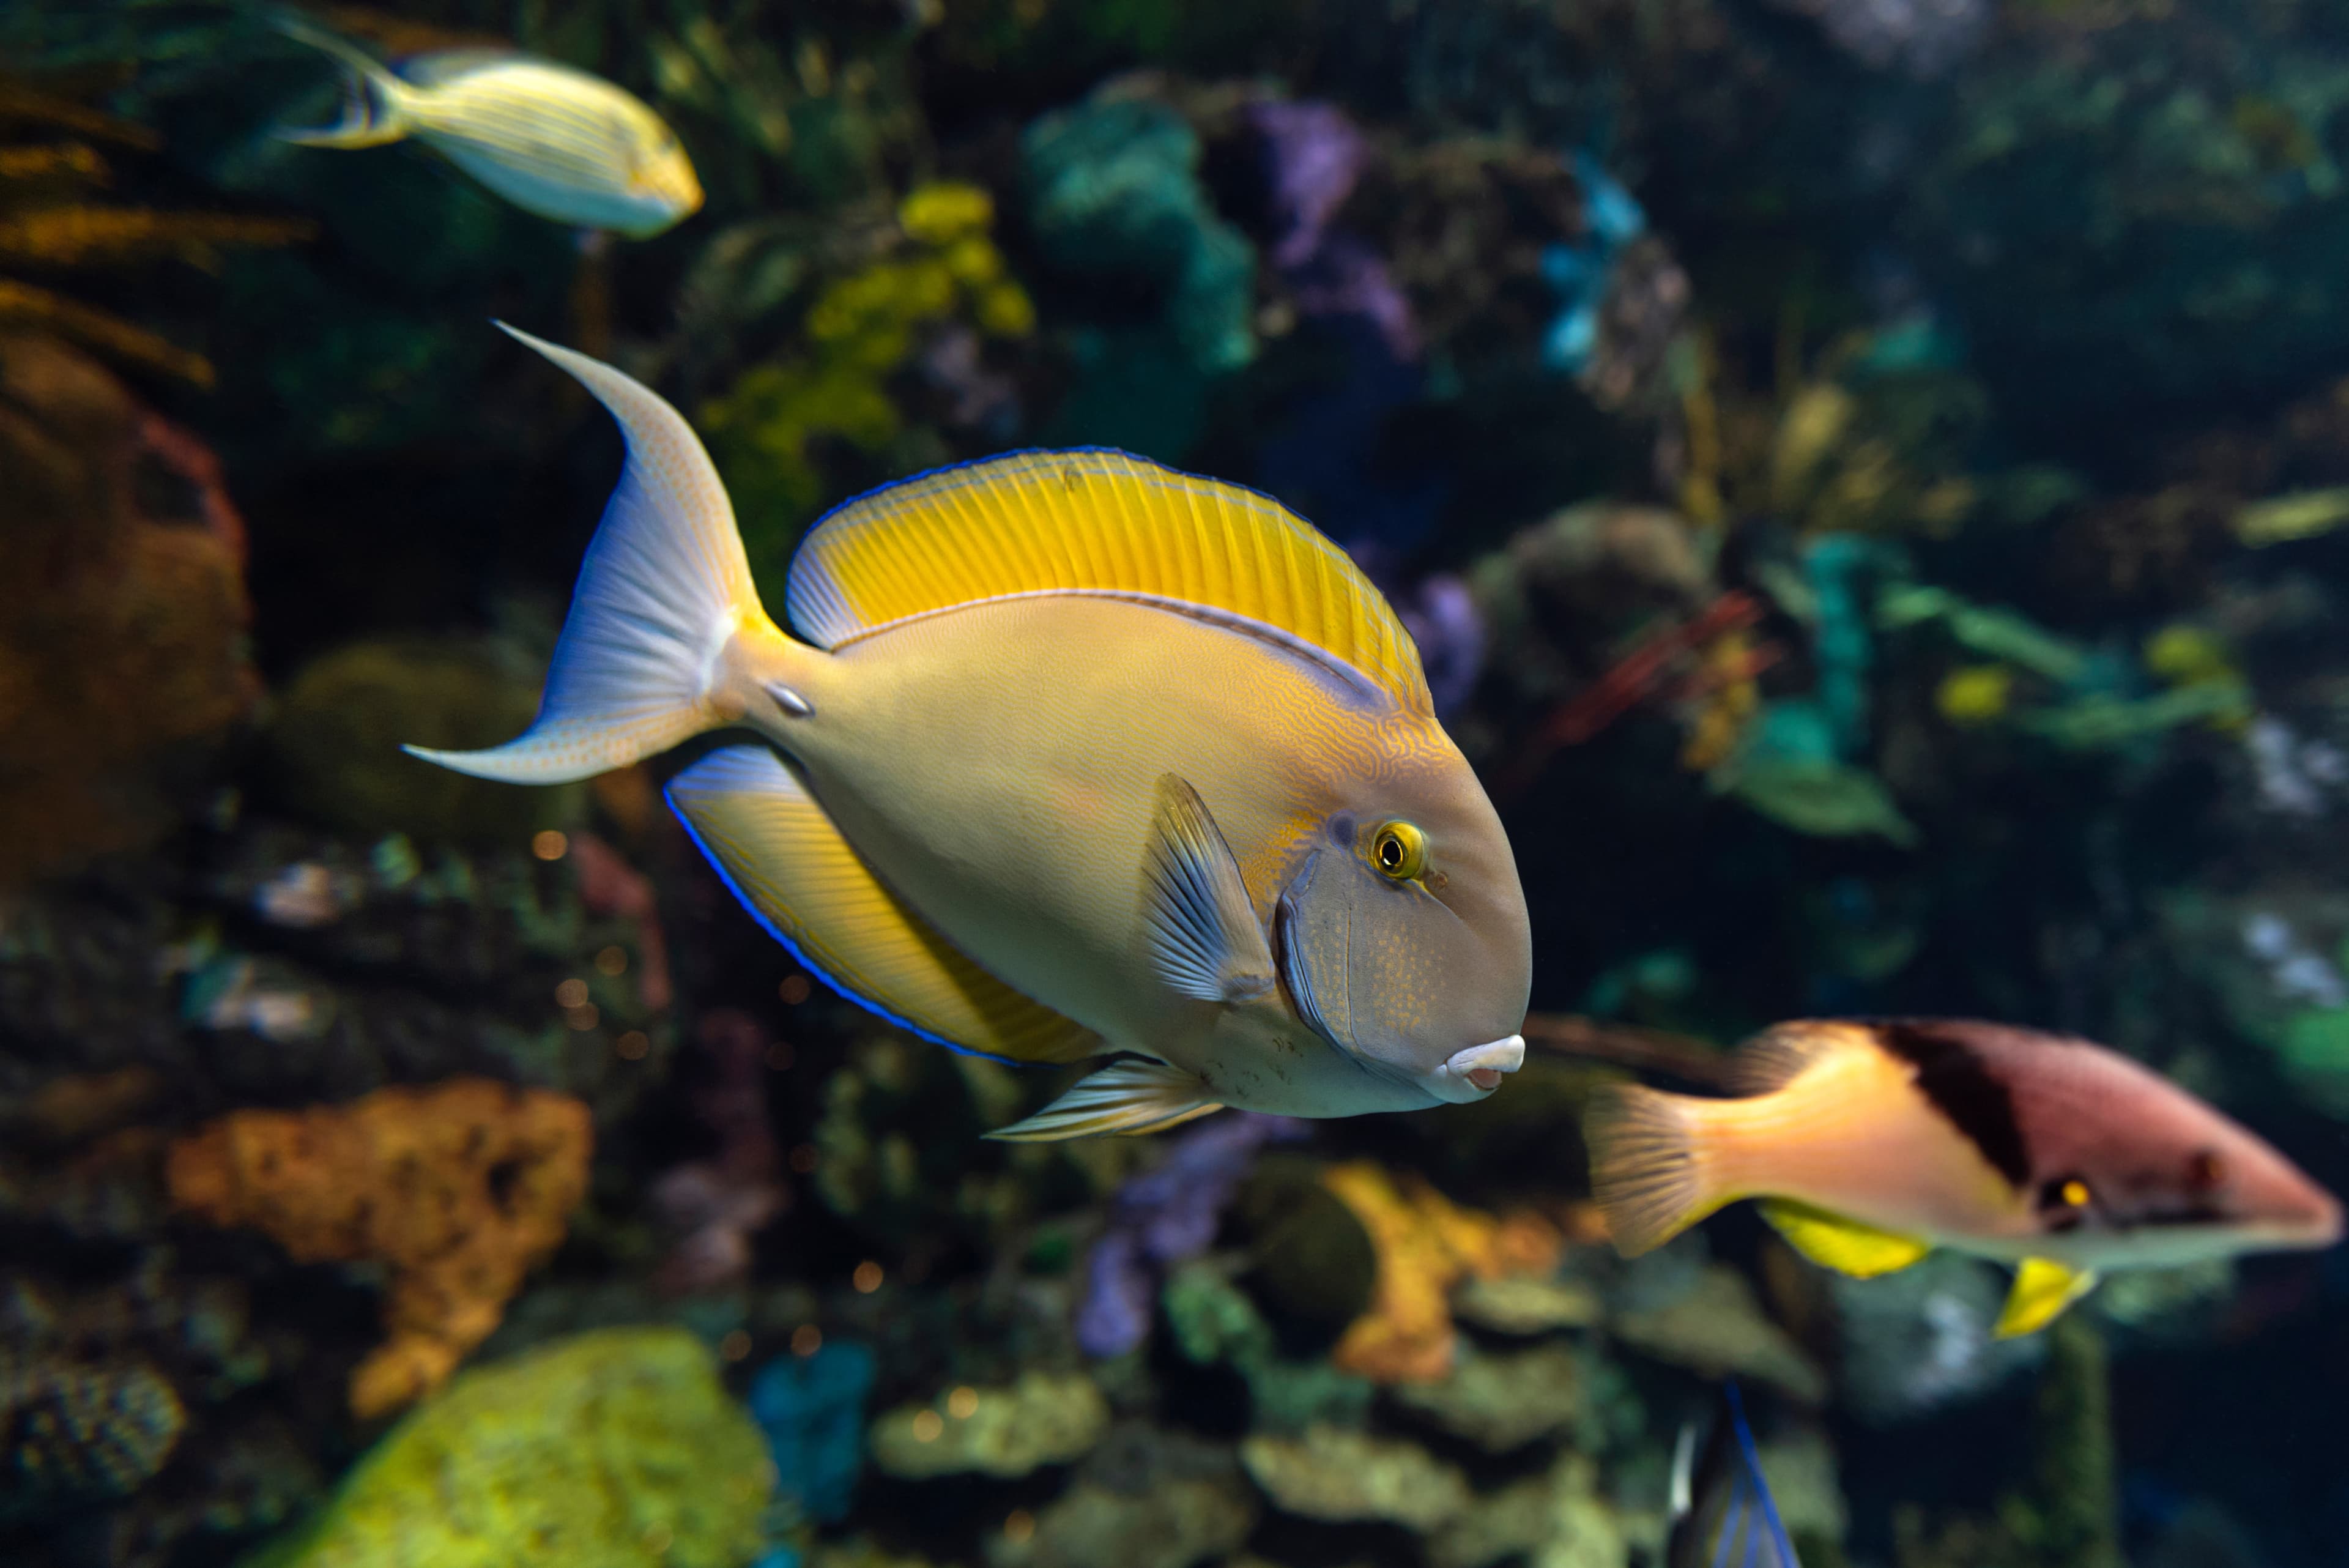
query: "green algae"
612, 1449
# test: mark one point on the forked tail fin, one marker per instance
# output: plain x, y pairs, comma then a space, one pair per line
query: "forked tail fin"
375, 102
662, 593
1644, 1166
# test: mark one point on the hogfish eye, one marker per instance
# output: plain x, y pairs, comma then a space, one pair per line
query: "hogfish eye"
2205, 1172
2065, 1199
1400, 851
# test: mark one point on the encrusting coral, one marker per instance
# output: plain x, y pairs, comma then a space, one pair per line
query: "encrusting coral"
1425, 1244
458, 1190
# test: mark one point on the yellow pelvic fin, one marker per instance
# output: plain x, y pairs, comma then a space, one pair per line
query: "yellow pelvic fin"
1844, 1245
1099, 522
1131, 1097
806, 884
2043, 1289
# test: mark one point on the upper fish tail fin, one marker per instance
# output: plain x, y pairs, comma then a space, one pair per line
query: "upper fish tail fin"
1646, 1170
375, 102
644, 662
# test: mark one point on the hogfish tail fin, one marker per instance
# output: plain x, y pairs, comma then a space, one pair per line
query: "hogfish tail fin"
665, 626
1646, 1166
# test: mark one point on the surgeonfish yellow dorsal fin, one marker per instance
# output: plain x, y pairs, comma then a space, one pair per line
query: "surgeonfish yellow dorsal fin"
1844, 1245
1103, 522
809, 887
1778, 1055
2043, 1289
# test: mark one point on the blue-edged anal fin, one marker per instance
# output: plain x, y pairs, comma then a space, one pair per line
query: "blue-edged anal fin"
807, 885
1206, 940
2043, 1289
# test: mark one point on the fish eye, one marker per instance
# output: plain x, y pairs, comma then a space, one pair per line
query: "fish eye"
2205, 1172
2066, 1198
1400, 851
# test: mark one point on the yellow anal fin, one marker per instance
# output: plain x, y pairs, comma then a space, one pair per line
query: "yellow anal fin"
1123, 1097
1098, 522
1844, 1245
2043, 1289
805, 883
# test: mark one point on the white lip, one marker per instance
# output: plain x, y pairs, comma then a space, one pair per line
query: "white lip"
1473, 1073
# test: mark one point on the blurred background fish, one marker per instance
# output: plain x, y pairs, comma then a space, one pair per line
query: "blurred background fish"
1721, 1512
553, 141
1872, 1143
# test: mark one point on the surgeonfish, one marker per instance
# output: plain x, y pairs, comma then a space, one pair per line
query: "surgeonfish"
1870, 1142
551, 139
1721, 1513
1073, 754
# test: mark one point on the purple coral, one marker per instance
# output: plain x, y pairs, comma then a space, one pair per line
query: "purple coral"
1312, 157
1165, 1215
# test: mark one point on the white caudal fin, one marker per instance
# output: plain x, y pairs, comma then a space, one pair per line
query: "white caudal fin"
663, 590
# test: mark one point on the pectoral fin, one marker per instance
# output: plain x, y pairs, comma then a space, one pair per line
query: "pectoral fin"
1844, 1245
1131, 1097
1204, 933
2043, 1289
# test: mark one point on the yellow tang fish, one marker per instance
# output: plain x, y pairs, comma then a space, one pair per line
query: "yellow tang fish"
551, 139
1871, 1143
1078, 755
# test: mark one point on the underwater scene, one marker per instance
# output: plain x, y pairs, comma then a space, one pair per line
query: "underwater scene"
1174, 783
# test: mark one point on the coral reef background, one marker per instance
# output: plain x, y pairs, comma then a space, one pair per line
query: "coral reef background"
1867, 478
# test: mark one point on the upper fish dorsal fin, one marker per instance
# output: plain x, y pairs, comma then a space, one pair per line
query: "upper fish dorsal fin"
2043, 1289
1844, 1245
805, 883
1099, 522
439, 67
1781, 1054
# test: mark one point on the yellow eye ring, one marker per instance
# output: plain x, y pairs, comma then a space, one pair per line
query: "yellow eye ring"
1399, 852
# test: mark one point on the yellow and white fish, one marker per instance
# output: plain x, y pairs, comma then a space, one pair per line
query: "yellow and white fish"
553, 141
1872, 1143
1073, 754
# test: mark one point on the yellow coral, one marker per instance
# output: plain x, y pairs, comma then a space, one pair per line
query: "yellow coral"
1977, 694
945, 210
2189, 658
1734, 698
1425, 1244
860, 328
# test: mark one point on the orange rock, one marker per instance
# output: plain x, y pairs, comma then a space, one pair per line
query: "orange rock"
1425, 1245
458, 1190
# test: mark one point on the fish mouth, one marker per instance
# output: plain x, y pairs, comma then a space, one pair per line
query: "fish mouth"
1473, 1073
